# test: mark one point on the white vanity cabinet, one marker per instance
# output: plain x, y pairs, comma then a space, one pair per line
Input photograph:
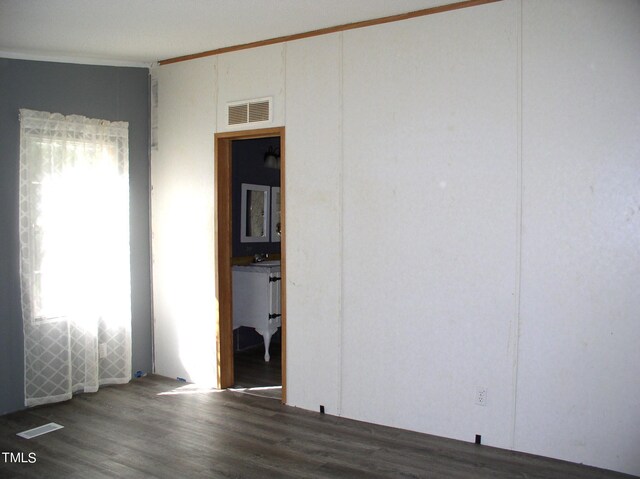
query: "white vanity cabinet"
256, 299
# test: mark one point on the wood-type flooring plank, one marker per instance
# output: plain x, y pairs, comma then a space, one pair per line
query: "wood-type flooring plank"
162, 428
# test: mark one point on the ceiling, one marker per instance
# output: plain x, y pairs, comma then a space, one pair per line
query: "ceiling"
142, 32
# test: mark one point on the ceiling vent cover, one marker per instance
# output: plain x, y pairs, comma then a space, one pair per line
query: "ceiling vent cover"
249, 112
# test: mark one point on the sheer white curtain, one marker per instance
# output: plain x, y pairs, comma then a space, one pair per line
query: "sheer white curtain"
74, 254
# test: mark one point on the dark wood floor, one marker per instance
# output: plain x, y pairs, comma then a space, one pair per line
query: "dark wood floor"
158, 427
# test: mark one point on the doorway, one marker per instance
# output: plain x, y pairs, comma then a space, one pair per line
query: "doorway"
224, 225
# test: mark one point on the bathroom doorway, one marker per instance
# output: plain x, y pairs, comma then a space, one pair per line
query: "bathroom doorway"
235, 257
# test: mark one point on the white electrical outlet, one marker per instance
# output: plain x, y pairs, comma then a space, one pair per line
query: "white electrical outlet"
481, 396
102, 350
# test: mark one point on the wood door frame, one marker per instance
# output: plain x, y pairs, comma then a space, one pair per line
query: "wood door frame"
224, 253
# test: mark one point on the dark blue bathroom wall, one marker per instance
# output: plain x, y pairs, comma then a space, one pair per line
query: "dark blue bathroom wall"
110, 93
248, 167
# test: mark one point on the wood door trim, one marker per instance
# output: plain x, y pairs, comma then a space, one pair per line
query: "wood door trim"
224, 324
223, 250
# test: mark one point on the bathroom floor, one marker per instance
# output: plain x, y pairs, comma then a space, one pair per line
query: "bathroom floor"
255, 376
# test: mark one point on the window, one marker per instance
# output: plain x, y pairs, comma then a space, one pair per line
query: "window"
74, 253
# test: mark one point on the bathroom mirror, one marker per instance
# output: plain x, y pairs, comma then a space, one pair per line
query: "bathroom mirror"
275, 214
254, 213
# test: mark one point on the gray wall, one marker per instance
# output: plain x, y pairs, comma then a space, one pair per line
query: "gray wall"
110, 93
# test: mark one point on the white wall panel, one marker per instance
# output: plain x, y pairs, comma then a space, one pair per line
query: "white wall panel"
249, 74
579, 394
313, 222
182, 223
436, 168
430, 223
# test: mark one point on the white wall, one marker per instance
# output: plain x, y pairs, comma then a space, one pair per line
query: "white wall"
183, 245
249, 74
192, 108
430, 223
462, 212
313, 222
579, 367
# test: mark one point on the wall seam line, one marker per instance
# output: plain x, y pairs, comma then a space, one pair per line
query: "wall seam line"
519, 213
341, 226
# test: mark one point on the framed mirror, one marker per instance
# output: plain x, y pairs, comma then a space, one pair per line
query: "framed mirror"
254, 213
275, 214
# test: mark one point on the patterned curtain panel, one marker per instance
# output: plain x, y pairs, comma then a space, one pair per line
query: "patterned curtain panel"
74, 254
